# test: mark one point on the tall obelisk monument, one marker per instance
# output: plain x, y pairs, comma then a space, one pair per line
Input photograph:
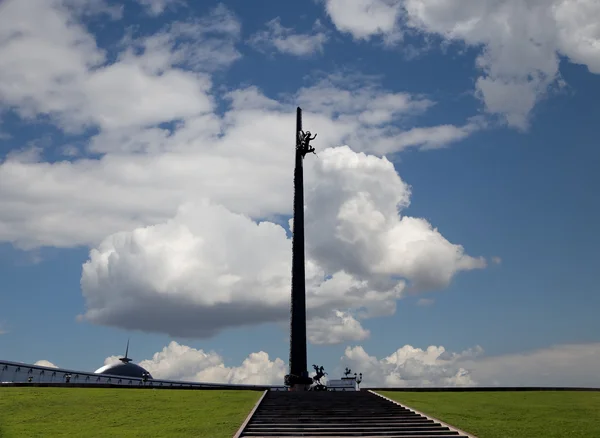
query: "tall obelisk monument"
298, 379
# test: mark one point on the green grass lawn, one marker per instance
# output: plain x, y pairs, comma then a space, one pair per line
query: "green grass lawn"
548, 414
99, 412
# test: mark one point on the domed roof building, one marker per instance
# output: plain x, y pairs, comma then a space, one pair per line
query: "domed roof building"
125, 368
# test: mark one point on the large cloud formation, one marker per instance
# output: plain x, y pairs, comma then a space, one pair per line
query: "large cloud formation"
170, 178
520, 41
561, 365
179, 362
209, 268
158, 136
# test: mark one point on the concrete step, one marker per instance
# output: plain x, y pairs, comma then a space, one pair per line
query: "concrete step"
344, 414
318, 421
342, 418
352, 428
338, 414
366, 436
437, 434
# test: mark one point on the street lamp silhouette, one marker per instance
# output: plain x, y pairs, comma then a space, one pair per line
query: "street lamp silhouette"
358, 379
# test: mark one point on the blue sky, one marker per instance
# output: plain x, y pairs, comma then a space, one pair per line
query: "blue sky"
492, 127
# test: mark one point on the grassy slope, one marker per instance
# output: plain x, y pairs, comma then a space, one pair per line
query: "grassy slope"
551, 414
95, 412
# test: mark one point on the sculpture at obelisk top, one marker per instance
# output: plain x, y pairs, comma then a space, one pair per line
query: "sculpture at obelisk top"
298, 379
303, 143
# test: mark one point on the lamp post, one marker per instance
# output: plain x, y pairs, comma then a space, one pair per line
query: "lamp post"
358, 380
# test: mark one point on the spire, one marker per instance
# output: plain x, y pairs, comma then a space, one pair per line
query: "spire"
126, 359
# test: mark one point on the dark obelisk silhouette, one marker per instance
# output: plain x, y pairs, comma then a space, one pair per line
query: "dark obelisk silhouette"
298, 379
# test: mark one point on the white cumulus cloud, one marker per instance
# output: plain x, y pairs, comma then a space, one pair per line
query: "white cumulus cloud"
176, 196
209, 268
409, 367
568, 365
286, 40
365, 18
50, 65
45, 363
335, 329
157, 7
573, 365
145, 174
180, 362
520, 41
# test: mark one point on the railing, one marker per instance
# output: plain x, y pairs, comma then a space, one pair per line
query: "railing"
15, 372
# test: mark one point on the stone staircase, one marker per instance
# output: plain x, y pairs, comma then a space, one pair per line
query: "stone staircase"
339, 414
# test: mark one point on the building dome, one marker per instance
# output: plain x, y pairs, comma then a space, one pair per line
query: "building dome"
124, 369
